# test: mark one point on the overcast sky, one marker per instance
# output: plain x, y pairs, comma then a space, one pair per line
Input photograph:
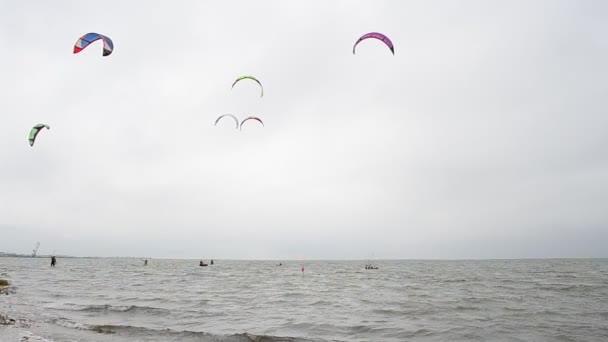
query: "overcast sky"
484, 136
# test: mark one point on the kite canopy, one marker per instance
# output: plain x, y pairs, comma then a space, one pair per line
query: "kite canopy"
376, 35
89, 38
251, 78
34, 132
251, 118
230, 115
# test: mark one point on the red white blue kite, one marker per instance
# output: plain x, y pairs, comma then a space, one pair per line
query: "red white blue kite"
89, 38
378, 36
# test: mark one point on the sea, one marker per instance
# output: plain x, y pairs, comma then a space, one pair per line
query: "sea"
88, 299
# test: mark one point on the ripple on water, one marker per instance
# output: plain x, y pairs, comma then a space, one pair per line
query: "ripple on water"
172, 300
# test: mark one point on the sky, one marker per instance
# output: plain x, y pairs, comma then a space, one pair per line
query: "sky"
484, 136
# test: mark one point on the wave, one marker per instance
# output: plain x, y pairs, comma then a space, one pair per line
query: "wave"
389, 312
416, 333
570, 276
170, 334
567, 287
267, 338
109, 308
30, 336
466, 308
454, 280
508, 308
322, 303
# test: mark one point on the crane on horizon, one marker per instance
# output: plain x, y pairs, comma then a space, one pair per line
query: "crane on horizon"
35, 249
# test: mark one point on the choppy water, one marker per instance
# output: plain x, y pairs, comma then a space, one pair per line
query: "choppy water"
176, 300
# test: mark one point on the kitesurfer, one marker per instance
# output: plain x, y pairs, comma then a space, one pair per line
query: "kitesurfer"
53, 261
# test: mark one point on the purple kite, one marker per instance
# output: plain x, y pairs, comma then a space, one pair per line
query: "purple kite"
376, 35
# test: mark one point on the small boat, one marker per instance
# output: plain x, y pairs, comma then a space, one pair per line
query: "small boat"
203, 264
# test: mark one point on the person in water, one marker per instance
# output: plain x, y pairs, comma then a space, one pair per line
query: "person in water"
53, 261
211, 261
146, 262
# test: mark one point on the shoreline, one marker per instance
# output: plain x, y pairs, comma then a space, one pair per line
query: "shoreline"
12, 333
11, 329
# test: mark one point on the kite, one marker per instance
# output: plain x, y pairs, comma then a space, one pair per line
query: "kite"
89, 38
251, 78
34, 132
230, 115
376, 35
251, 118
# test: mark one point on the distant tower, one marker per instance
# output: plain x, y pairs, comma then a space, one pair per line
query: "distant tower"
35, 249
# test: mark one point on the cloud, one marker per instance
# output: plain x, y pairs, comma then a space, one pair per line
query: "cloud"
484, 136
